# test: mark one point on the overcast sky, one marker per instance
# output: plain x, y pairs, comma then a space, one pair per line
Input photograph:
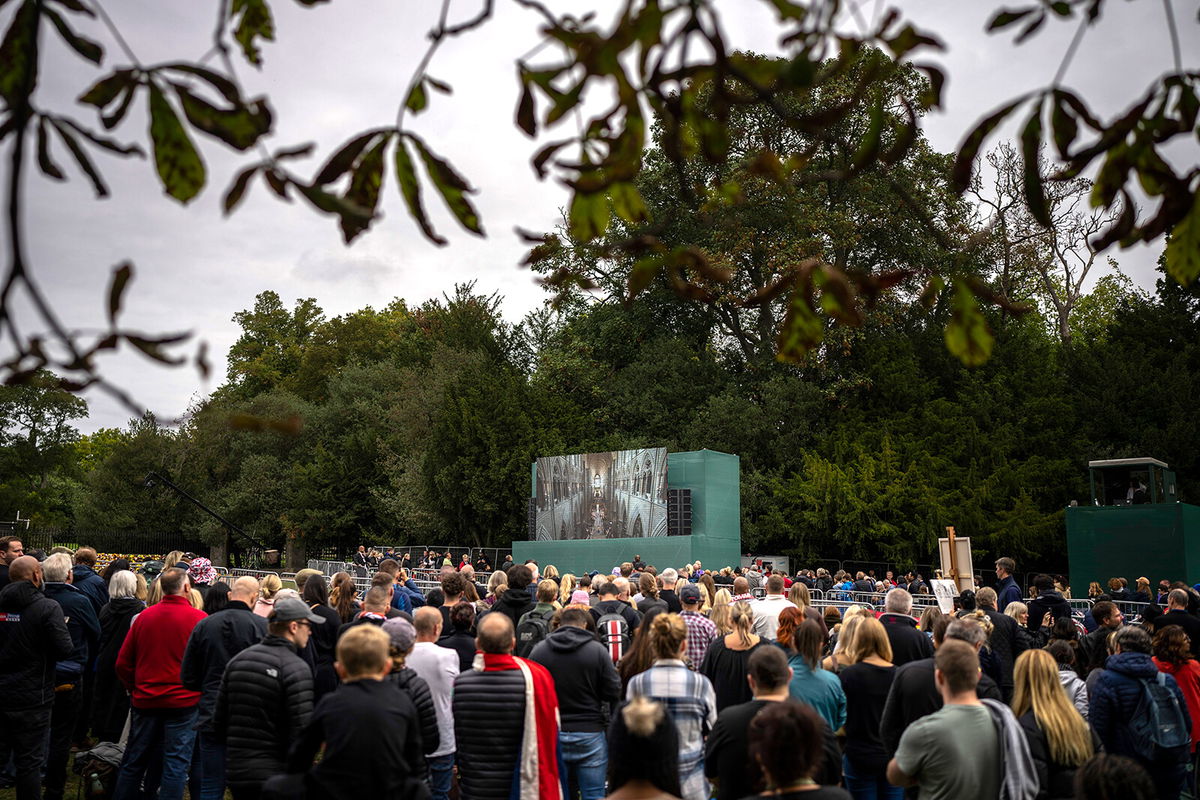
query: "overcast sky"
339, 68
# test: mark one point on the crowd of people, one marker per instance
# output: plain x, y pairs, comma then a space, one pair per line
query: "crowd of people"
635, 683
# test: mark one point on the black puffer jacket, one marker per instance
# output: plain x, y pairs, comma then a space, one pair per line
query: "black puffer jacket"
408, 681
489, 721
30, 647
266, 699
214, 641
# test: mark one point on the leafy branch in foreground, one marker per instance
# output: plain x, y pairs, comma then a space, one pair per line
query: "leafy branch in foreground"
645, 70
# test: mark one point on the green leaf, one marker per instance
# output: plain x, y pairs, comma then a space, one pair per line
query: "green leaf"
113, 118
1063, 125
588, 216
253, 18
410, 189
82, 45
237, 189
175, 158
1008, 17
106, 89
45, 163
526, 117
116, 290
18, 55
452, 186
644, 270
226, 87
111, 145
239, 127
627, 202
802, 329
340, 162
81, 158
152, 348
417, 101
1183, 248
968, 336
363, 192
1035, 194
964, 162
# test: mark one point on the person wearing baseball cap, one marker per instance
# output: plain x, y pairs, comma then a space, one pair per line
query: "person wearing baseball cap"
266, 699
701, 631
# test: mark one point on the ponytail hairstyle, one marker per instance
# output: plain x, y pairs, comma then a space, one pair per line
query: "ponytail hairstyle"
668, 632
741, 617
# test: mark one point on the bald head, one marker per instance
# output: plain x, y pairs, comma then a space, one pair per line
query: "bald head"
428, 622
495, 634
25, 568
245, 589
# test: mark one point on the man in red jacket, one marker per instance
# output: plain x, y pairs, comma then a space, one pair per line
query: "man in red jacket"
163, 712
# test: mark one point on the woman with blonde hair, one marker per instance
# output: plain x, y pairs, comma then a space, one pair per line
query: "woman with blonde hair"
687, 695
343, 596
725, 660
566, 587
154, 595
800, 597
866, 683
142, 592
550, 573
268, 588
1027, 639
172, 559
708, 591
1059, 738
843, 649
497, 585
720, 612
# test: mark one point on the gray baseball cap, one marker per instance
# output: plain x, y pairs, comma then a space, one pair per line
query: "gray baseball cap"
289, 609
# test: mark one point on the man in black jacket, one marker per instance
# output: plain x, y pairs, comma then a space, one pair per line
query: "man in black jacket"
1004, 644
1177, 614
1093, 647
265, 700
214, 641
585, 681
516, 600
69, 673
610, 603
908, 643
489, 716
914, 693
33, 637
1047, 600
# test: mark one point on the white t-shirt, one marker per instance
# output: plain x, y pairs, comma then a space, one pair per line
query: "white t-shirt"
766, 614
438, 667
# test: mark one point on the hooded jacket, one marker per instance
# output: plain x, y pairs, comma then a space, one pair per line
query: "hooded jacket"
33, 636
1187, 677
1114, 702
85, 579
908, 643
214, 641
513, 603
82, 624
584, 677
1051, 601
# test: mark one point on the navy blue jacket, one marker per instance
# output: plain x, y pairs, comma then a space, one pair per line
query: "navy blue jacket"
82, 624
1007, 592
85, 579
1114, 700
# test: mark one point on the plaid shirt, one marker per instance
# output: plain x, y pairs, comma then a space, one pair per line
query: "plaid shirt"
692, 704
700, 634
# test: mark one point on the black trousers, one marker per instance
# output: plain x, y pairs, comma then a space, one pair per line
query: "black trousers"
23, 734
62, 732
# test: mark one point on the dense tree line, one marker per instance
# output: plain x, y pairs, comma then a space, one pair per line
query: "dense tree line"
416, 425
861, 440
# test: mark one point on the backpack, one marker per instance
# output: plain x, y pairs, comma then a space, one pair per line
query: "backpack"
1158, 723
97, 770
532, 627
614, 635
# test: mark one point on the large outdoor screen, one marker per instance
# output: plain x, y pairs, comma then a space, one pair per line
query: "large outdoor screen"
602, 495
